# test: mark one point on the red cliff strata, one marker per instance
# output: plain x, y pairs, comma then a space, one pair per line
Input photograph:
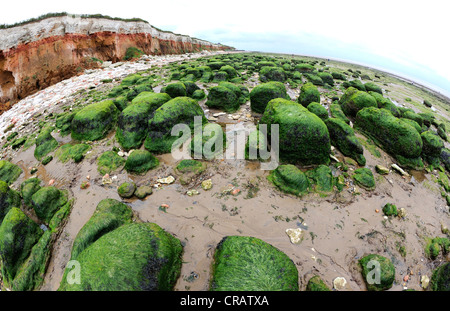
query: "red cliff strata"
33, 57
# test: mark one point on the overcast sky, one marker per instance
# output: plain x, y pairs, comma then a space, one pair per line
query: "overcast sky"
406, 37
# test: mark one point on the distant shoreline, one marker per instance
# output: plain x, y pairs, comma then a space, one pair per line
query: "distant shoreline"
439, 94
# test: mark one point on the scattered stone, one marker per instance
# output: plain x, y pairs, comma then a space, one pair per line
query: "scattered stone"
106, 179
381, 169
192, 192
400, 170
127, 189
339, 283
167, 180
143, 191
295, 235
424, 281
207, 184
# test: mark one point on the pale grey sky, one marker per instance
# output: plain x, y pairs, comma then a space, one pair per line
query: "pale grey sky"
408, 37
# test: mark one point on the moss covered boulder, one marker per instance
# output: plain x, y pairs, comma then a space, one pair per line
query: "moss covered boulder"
265, 92
188, 169
75, 152
94, 121
223, 98
18, 234
318, 110
373, 87
353, 101
28, 188
140, 161
180, 110
394, 135
47, 201
133, 257
269, 73
308, 94
343, 137
109, 215
363, 177
155, 100
322, 179
9, 198
45, 143
240, 91
378, 272
9, 172
126, 189
303, 136
290, 179
390, 209
109, 161
244, 263
316, 284
132, 125
385, 103
336, 112
440, 279
176, 89
432, 147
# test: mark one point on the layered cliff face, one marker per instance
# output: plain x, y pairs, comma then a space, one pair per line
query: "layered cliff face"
40, 54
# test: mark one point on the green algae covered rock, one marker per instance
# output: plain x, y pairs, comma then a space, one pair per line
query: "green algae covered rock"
322, 179
326, 78
373, 87
188, 169
45, 143
269, 73
364, 178
28, 188
18, 234
143, 191
132, 125
378, 272
9, 172
440, 279
63, 122
109, 215
232, 73
223, 98
265, 92
75, 152
303, 136
336, 112
140, 161
9, 198
343, 137
180, 110
394, 135
316, 284
290, 179
244, 263
390, 209
109, 161
308, 94
133, 257
94, 121
318, 110
154, 100
255, 146
353, 101
47, 201
432, 147
176, 89
240, 91
126, 189
385, 103
198, 95
32, 272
